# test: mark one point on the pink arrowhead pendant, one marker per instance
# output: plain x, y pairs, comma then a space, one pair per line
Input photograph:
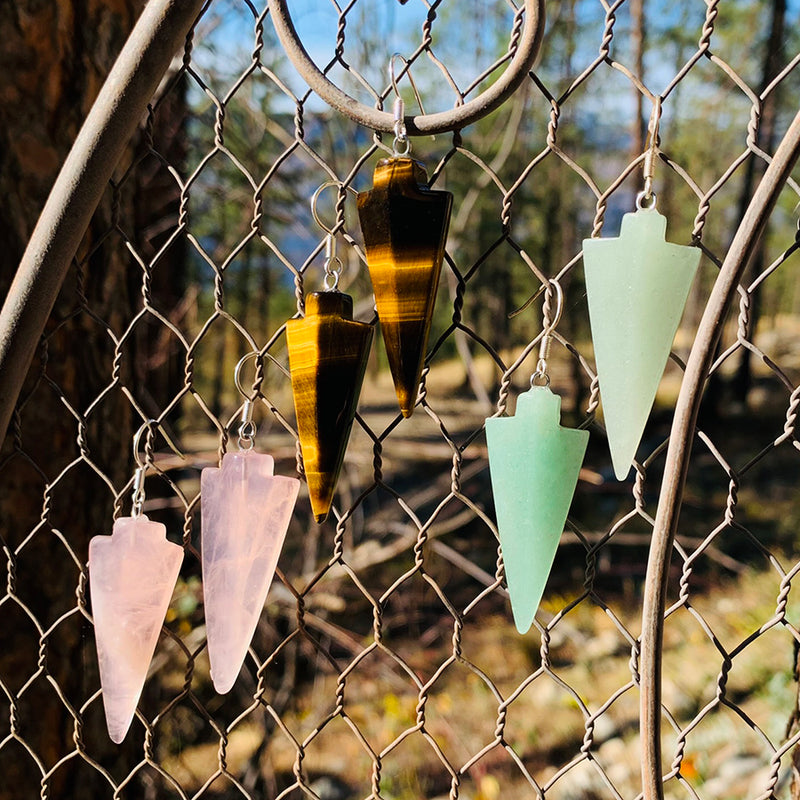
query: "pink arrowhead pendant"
131, 577
245, 513
534, 465
636, 286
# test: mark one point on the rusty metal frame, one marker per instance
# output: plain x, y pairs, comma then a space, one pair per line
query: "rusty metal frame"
680, 446
527, 48
116, 112
113, 119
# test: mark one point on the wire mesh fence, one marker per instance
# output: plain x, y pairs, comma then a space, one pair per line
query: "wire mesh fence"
385, 663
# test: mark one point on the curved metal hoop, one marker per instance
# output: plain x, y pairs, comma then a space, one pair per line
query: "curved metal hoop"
452, 120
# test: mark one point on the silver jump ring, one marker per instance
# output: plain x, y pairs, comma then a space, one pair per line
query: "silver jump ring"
540, 379
331, 279
247, 435
645, 201
401, 146
452, 120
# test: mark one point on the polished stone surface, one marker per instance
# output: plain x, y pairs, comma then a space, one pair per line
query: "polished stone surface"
534, 465
636, 287
328, 353
405, 230
245, 513
132, 574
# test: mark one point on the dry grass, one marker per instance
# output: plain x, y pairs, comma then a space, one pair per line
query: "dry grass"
545, 725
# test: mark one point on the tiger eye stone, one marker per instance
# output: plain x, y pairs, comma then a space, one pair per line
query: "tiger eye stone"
328, 353
405, 229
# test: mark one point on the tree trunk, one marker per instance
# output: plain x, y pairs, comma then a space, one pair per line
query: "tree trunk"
56, 56
639, 131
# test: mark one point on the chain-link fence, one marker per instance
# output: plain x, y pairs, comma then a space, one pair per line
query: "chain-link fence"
385, 663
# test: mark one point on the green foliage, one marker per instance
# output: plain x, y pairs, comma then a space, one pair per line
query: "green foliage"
507, 231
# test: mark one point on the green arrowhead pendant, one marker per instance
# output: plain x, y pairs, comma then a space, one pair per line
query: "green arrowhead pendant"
534, 465
405, 229
637, 287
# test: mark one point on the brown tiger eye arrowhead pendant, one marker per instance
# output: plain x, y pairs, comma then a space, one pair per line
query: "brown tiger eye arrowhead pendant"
405, 229
327, 358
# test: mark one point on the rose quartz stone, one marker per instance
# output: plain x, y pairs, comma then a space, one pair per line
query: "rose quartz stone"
245, 513
131, 577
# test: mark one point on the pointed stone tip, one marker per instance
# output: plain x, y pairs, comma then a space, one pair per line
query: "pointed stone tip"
523, 623
320, 494
406, 397
621, 471
224, 684
117, 733
622, 455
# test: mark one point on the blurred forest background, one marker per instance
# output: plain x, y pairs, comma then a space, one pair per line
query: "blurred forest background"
394, 611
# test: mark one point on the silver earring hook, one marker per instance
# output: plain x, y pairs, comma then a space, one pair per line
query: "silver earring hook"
392, 76
138, 497
247, 428
647, 198
137, 438
315, 200
401, 146
540, 377
405, 71
333, 264
237, 374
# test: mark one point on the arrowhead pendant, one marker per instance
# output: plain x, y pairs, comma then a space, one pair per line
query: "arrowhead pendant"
245, 513
637, 286
405, 229
534, 465
132, 574
327, 358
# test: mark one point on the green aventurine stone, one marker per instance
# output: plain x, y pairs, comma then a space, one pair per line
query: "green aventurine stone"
534, 465
636, 286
